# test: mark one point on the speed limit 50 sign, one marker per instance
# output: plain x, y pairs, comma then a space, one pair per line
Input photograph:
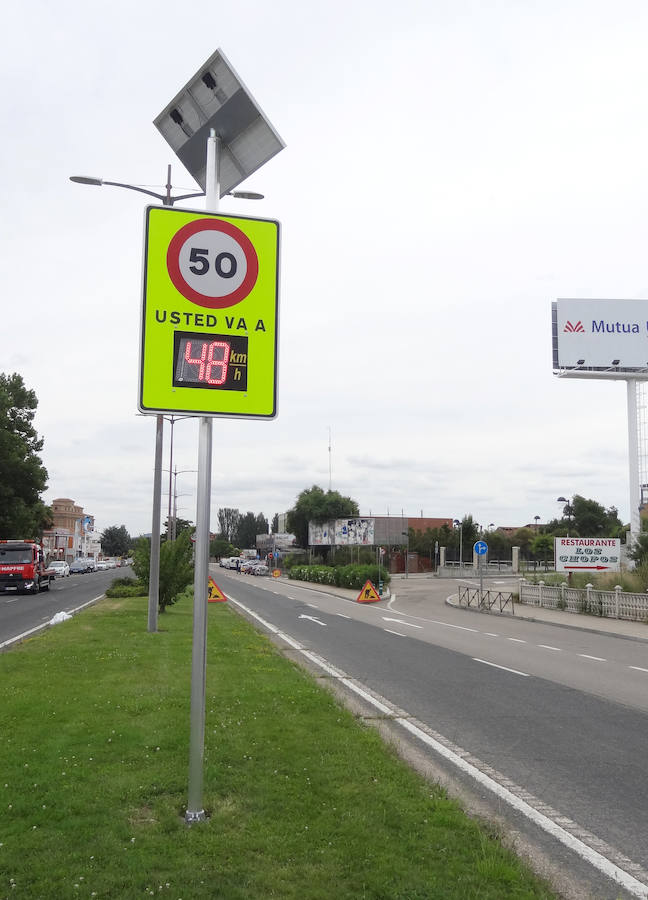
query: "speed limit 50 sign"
210, 314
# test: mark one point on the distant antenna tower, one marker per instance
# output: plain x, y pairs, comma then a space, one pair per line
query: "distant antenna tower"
329, 458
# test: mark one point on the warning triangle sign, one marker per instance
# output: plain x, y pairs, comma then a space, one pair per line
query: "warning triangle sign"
214, 593
368, 594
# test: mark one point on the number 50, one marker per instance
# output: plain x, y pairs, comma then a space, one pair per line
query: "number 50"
224, 264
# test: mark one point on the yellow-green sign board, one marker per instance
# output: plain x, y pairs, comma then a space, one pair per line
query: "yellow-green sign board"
210, 314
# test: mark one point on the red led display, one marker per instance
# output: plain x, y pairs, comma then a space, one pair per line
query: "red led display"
210, 361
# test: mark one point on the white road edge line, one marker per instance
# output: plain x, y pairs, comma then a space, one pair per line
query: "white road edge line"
70, 612
600, 862
495, 666
399, 633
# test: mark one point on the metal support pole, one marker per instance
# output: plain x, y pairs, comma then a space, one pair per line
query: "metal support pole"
172, 421
195, 811
154, 568
633, 460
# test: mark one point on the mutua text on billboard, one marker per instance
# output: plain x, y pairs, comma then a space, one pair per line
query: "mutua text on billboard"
600, 334
575, 554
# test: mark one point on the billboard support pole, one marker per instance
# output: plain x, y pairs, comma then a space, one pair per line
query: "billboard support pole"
633, 458
195, 811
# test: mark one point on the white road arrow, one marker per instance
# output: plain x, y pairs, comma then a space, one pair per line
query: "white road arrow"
313, 619
400, 622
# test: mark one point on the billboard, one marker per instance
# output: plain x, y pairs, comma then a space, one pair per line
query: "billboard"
587, 554
354, 531
600, 335
341, 532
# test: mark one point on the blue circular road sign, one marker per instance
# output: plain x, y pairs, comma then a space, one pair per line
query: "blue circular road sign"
481, 548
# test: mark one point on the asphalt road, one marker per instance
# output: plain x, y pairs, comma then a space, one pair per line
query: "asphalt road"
21, 614
557, 715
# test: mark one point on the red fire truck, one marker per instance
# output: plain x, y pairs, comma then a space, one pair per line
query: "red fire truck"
22, 568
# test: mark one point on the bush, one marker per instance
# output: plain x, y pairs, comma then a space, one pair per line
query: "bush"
351, 576
127, 587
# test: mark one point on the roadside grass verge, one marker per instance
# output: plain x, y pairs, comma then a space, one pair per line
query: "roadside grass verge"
303, 801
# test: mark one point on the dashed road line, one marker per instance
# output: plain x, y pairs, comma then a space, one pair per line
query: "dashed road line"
495, 666
596, 658
549, 647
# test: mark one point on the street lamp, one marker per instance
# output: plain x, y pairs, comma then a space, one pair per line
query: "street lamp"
167, 199
569, 510
173, 473
459, 525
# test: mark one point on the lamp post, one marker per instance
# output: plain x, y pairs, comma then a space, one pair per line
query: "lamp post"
569, 511
459, 525
167, 199
173, 474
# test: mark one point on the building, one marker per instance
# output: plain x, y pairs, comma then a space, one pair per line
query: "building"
72, 533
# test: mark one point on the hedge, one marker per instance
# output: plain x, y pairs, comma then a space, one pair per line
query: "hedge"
353, 576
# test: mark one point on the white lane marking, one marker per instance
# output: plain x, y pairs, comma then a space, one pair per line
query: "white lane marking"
491, 634
342, 616
71, 612
516, 640
313, 619
400, 622
549, 647
457, 758
312, 605
597, 658
638, 669
495, 666
399, 633
448, 625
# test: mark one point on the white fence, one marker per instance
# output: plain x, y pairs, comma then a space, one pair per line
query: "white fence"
614, 604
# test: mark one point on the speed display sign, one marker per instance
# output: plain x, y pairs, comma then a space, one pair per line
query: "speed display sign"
210, 314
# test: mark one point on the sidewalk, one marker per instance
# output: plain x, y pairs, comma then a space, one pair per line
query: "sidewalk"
637, 631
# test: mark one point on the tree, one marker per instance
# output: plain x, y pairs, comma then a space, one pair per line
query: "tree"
275, 524
247, 531
176, 567
638, 550
228, 520
22, 474
542, 545
315, 505
116, 541
179, 526
220, 547
261, 524
593, 520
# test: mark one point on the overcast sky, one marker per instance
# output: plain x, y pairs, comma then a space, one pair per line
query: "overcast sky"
451, 168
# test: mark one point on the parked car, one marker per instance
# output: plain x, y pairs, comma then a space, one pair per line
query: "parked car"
79, 566
61, 568
260, 570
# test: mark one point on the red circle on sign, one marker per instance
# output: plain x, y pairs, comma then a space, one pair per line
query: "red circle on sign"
180, 283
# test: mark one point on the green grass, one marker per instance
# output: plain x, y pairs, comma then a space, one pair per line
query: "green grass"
303, 801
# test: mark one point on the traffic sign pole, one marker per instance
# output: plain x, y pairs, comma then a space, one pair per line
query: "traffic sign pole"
195, 810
